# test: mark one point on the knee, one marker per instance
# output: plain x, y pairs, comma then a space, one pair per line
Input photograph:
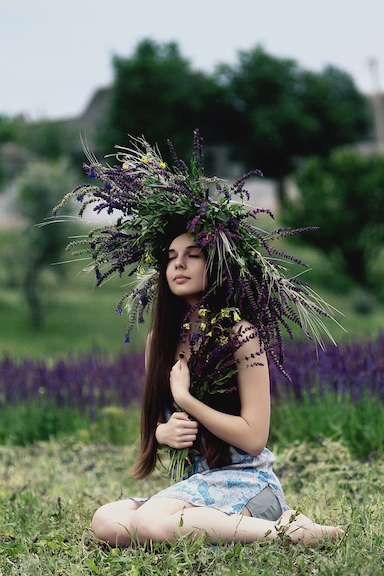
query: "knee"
149, 528
101, 523
106, 527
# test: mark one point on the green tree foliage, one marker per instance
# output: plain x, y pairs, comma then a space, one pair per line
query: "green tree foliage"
268, 109
49, 139
344, 196
8, 132
288, 113
8, 129
339, 112
157, 93
41, 186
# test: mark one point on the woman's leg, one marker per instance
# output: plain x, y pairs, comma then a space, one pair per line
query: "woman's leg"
161, 519
112, 522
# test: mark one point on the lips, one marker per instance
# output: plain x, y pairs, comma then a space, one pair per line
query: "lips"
180, 279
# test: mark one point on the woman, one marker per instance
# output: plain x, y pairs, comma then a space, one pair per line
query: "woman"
219, 295
190, 507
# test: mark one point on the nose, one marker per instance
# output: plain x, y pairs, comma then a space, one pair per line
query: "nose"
179, 262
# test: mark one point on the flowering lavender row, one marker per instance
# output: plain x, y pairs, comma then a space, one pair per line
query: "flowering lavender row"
85, 383
90, 382
356, 368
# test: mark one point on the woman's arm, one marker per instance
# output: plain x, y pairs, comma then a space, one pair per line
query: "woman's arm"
250, 430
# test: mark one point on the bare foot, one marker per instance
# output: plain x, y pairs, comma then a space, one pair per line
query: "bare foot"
301, 529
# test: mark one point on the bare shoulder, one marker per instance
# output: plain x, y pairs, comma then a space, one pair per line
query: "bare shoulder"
248, 337
245, 331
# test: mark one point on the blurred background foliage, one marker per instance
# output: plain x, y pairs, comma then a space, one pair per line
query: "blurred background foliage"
296, 125
40, 186
343, 195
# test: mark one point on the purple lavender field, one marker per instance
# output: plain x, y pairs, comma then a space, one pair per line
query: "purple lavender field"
87, 383
91, 382
355, 368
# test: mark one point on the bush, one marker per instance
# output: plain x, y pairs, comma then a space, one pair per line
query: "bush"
343, 195
358, 424
26, 423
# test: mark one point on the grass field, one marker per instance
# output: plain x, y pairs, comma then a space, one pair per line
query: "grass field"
49, 492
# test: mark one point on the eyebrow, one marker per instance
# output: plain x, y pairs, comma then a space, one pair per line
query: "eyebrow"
187, 248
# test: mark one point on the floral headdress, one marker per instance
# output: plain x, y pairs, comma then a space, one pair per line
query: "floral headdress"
147, 196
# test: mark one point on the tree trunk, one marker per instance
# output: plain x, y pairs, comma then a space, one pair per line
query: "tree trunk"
356, 266
31, 294
281, 192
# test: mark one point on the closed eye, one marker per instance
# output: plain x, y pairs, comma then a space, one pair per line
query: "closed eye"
172, 255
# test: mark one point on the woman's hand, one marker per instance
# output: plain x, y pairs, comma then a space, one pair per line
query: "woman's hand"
180, 381
178, 432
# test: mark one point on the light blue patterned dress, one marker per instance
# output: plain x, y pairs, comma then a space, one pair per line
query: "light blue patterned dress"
229, 488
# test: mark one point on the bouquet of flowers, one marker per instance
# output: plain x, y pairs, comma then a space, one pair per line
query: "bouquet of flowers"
212, 367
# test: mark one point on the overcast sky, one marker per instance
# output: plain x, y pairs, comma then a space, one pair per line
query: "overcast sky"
55, 53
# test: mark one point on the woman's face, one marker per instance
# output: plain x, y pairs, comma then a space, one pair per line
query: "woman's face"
186, 274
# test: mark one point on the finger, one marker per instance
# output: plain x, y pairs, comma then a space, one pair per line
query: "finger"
182, 361
176, 367
183, 444
184, 433
184, 427
181, 416
189, 425
182, 436
184, 416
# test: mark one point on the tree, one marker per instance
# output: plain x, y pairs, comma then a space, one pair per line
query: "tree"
288, 113
158, 94
270, 111
344, 196
41, 186
339, 111
8, 132
47, 138
9, 128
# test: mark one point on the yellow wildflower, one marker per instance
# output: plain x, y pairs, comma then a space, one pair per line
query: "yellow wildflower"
203, 325
145, 159
236, 317
148, 259
125, 166
141, 271
223, 340
203, 311
162, 165
209, 334
187, 326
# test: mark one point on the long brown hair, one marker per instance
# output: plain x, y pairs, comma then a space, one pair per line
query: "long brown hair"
167, 317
